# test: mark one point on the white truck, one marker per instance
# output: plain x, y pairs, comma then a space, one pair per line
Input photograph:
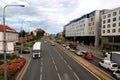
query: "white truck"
109, 65
9, 47
36, 50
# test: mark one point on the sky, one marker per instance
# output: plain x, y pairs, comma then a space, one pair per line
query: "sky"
49, 15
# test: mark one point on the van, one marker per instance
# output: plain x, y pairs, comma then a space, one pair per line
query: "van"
109, 65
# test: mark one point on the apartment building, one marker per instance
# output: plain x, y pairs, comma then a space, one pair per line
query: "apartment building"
84, 29
111, 28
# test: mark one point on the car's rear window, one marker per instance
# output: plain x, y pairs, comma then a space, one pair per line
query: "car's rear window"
114, 65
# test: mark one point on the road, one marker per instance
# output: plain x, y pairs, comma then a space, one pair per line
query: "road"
54, 64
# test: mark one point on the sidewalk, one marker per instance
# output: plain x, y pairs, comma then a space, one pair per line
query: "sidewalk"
95, 52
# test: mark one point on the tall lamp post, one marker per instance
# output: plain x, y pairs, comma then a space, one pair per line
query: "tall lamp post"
5, 62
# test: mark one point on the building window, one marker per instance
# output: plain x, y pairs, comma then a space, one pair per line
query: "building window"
93, 23
91, 19
104, 16
119, 30
108, 20
119, 23
108, 26
119, 11
119, 17
103, 26
114, 24
108, 31
89, 24
114, 13
104, 22
114, 19
114, 30
103, 31
109, 15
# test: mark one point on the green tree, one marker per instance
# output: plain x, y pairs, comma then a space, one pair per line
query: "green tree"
40, 34
22, 33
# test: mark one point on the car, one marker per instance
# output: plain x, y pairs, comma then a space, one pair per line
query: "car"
88, 56
116, 74
26, 51
45, 41
67, 47
79, 52
52, 44
72, 50
63, 45
112, 66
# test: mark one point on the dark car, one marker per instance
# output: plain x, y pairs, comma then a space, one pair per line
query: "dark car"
24, 51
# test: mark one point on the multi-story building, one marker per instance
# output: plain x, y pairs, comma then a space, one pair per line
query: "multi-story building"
84, 29
111, 28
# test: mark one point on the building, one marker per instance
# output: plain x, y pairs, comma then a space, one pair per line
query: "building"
11, 34
111, 29
11, 39
84, 29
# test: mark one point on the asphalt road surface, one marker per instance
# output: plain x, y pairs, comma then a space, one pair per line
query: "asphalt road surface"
54, 64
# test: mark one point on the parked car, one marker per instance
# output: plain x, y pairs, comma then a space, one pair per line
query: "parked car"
26, 51
116, 74
88, 56
67, 47
79, 52
63, 45
109, 65
72, 50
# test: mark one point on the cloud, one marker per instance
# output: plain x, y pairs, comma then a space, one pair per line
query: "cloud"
51, 15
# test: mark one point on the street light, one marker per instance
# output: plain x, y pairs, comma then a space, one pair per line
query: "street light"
5, 63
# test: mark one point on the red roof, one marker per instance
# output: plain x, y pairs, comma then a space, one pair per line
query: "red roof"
37, 30
8, 29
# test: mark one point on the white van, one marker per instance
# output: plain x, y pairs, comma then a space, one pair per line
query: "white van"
109, 65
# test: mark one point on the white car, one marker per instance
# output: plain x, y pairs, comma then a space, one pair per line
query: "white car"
63, 45
78, 52
67, 47
116, 74
72, 50
109, 65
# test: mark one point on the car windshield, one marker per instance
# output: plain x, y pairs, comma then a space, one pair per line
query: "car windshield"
114, 65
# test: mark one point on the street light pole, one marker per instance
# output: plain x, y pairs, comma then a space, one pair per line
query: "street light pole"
21, 40
5, 60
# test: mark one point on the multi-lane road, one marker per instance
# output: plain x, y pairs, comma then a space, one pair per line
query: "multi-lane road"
54, 64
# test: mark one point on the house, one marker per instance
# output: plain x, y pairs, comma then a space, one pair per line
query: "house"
11, 39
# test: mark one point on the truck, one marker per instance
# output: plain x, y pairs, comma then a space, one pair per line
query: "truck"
36, 50
109, 65
9, 47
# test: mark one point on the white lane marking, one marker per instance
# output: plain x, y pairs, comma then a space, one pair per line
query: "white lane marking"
41, 68
76, 76
56, 68
59, 76
53, 62
65, 61
40, 76
69, 67
41, 64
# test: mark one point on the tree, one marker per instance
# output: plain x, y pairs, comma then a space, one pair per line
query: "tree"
40, 34
22, 33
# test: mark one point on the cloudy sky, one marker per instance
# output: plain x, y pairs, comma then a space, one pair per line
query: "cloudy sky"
50, 15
